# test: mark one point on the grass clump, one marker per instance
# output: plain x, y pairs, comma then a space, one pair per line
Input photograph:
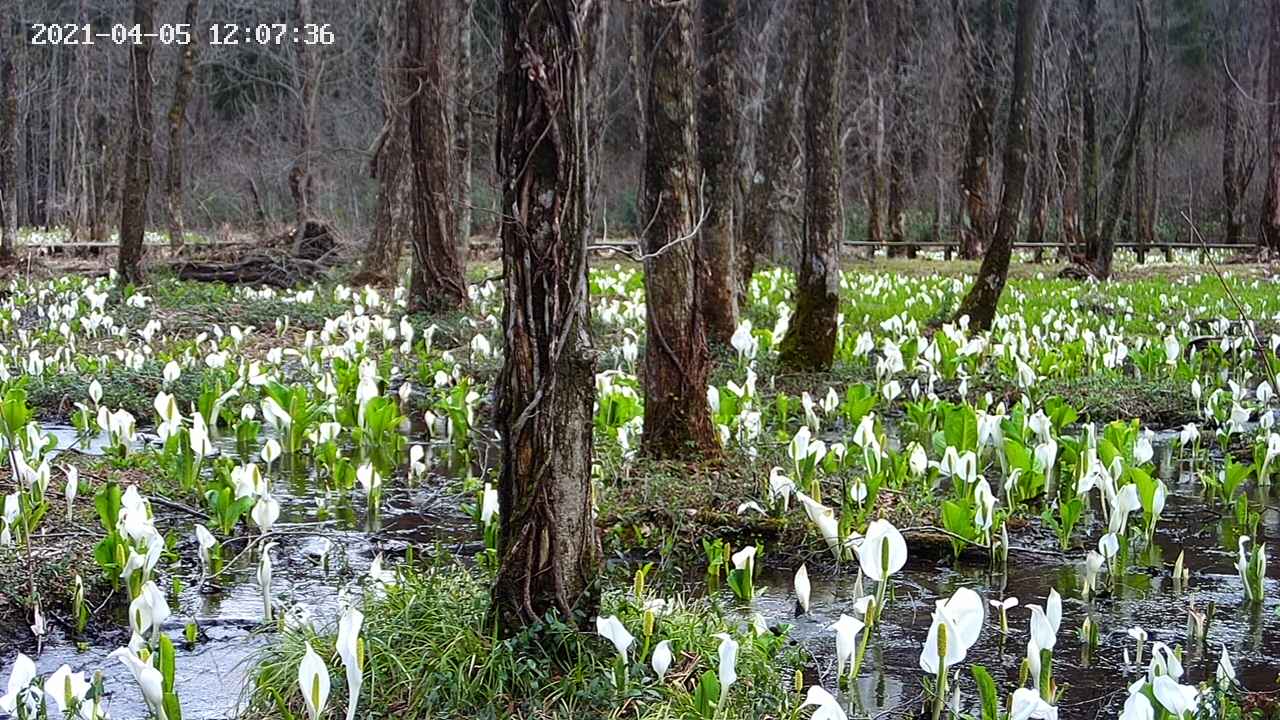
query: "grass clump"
430, 654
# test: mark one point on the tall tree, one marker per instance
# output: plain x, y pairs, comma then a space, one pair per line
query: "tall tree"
549, 546
811, 338
1270, 224
717, 150
137, 164
1122, 165
381, 261
437, 282
301, 179
1091, 152
980, 304
13, 42
177, 120
677, 419
980, 92
775, 148
463, 122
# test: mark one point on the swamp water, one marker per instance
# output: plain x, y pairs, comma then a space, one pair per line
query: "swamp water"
212, 675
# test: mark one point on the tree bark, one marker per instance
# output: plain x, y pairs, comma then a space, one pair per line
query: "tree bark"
301, 183
174, 201
391, 221
775, 148
717, 152
1091, 156
1270, 225
677, 362
980, 89
1123, 163
466, 87
811, 338
900, 131
549, 546
437, 282
137, 164
980, 304
9, 144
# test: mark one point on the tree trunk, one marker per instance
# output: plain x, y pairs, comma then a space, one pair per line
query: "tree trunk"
875, 179
437, 282
677, 362
1270, 224
1123, 164
137, 164
980, 88
549, 546
466, 87
1091, 157
775, 148
900, 132
177, 116
980, 304
1038, 216
9, 144
717, 152
301, 183
391, 221
811, 338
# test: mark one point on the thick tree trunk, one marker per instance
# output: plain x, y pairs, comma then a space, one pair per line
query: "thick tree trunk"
980, 304
549, 546
1123, 163
137, 164
1091, 155
177, 116
301, 182
9, 144
980, 88
717, 152
811, 338
391, 221
1270, 224
775, 149
466, 87
677, 420
437, 282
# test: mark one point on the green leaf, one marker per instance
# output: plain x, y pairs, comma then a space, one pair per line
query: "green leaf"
986, 691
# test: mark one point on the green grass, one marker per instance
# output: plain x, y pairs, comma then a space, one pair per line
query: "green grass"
429, 654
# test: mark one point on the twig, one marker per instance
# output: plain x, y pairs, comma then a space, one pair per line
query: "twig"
1244, 318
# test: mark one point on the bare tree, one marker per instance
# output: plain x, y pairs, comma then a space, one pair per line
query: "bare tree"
981, 301
137, 164
980, 90
775, 148
301, 180
9, 143
437, 282
1270, 225
1122, 165
381, 261
549, 545
811, 338
717, 151
463, 122
677, 419
174, 169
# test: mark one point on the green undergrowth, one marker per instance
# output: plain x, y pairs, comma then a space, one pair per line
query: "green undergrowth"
429, 654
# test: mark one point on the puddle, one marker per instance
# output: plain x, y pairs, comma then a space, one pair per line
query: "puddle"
212, 674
